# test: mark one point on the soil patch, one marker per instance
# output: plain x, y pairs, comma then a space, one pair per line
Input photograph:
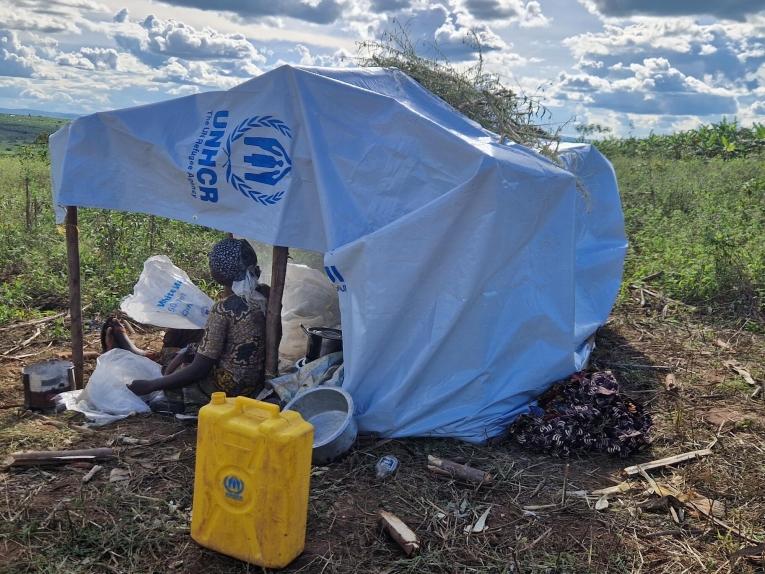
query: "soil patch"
541, 518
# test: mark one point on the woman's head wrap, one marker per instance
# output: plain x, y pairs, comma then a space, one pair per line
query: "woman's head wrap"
228, 260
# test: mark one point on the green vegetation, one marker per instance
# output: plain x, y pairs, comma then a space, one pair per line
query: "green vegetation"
113, 245
724, 139
694, 204
17, 130
700, 223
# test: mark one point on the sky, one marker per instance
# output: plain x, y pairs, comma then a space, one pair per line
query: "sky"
634, 66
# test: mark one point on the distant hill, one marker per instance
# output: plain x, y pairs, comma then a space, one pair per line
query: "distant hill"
28, 112
21, 129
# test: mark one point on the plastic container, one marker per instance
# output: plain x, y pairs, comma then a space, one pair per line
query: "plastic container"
386, 466
253, 467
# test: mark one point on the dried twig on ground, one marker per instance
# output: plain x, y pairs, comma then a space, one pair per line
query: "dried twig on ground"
23, 344
459, 471
670, 460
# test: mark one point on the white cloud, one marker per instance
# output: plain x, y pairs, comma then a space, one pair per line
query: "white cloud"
90, 58
304, 57
155, 40
48, 16
533, 17
17, 19
677, 35
39, 95
720, 54
437, 31
652, 87
15, 58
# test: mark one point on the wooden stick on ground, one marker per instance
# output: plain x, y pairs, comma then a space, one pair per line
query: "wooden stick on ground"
274, 310
400, 532
34, 321
45, 457
670, 460
620, 488
23, 343
25, 355
456, 470
39, 321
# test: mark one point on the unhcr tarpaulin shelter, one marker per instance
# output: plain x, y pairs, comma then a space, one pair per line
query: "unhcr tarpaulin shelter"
471, 273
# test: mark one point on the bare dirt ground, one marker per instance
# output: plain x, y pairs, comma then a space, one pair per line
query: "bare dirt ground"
541, 517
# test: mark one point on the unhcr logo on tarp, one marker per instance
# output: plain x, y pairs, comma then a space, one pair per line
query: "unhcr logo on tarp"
257, 159
258, 164
201, 171
334, 275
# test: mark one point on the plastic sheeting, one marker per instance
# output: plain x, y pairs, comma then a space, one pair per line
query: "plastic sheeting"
471, 274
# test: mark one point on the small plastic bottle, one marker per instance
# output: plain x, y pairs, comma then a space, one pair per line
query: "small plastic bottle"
386, 466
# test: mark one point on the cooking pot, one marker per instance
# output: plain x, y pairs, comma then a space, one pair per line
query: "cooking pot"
322, 341
43, 381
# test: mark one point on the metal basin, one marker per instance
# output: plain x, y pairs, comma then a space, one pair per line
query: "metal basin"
330, 411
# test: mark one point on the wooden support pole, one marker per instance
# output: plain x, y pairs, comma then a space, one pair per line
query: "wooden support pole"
75, 299
274, 310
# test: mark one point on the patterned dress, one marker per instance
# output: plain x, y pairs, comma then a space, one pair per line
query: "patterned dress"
235, 339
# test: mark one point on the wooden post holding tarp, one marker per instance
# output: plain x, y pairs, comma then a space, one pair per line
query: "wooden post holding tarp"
274, 310
75, 299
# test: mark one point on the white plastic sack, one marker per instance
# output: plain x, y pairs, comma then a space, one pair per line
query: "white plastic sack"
309, 299
165, 297
106, 392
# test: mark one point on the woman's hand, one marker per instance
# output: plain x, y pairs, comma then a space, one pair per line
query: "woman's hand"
142, 387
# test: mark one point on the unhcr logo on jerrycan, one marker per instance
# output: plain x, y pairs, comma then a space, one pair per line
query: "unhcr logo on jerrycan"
233, 487
252, 156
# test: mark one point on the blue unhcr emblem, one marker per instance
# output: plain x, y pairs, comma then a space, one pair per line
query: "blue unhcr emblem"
334, 275
266, 161
233, 486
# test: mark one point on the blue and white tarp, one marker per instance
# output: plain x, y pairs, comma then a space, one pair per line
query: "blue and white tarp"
471, 273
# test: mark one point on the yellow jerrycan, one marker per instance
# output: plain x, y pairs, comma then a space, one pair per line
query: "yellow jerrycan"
253, 468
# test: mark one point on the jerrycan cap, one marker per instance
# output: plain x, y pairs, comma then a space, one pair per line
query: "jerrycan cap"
218, 398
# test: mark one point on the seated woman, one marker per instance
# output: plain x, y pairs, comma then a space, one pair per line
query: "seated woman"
231, 355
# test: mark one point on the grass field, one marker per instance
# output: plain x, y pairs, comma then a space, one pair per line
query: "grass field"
691, 307
18, 130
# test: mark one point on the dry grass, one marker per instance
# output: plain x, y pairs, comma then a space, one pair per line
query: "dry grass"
51, 522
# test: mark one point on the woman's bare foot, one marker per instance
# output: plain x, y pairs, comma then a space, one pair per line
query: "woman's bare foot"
114, 336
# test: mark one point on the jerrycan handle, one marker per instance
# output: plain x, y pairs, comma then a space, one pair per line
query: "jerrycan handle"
245, 403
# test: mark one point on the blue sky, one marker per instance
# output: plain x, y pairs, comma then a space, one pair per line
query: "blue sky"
633, 65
